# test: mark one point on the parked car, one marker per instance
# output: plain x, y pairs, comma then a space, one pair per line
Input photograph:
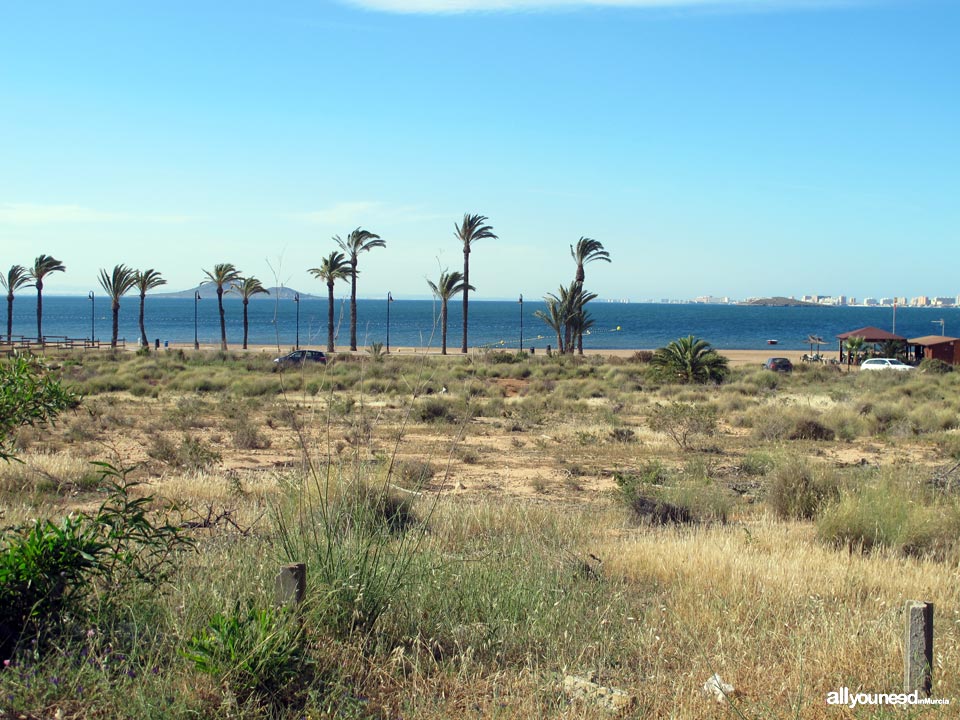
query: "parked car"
884, 364
778, 365
299, 357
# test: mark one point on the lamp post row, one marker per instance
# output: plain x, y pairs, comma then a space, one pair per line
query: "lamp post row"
296, 299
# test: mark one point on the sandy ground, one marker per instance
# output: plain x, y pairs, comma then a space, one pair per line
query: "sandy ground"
737, 358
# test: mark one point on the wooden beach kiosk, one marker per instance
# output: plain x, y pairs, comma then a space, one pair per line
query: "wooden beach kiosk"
871, 336
936, 347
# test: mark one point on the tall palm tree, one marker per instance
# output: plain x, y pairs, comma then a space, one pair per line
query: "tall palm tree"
222, 274
332, 268
43, 266
468, 232
587, 250
16, 278
690, 360
246, 288
146, 280
449, 285
116, 284
357, 242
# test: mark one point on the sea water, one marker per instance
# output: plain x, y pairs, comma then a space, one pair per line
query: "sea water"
415, 323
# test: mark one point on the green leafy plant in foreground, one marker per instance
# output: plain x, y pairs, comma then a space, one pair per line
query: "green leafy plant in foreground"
251, 651
29, 395
48, 569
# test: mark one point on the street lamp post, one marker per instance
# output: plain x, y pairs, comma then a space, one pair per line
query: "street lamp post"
196, 337
296, 299
521, 322
92, 315
389, 300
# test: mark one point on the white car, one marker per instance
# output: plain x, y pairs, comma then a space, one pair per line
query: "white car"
884, 364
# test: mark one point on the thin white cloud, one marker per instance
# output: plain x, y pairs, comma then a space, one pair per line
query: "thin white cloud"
364, 213
42, 214
463, 6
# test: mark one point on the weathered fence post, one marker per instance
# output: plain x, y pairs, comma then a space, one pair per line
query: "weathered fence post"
918, 648
291, 585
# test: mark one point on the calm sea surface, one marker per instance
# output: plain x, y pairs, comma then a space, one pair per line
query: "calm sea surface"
412, 322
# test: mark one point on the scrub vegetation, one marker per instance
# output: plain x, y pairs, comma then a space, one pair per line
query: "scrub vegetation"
475, 528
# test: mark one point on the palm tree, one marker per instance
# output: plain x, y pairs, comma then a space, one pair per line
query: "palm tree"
553, 317
566, 314
146, 280
690, 360
116, 284
222, 274
468, 232
854, 346
587, 250
43, 266
449, 285
357, 242
15, 279
332, 268
247, 288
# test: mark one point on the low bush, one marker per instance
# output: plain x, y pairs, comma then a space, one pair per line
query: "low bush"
257, 653
683, 422
48, 569
887, 513
798, 490
810, 429
934, 366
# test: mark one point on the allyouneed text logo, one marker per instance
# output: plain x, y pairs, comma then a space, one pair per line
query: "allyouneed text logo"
843, 696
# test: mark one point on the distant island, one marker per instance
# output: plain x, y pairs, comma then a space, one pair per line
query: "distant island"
779, 301
276, 293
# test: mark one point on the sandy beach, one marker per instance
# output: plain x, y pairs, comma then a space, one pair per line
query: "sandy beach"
737, 358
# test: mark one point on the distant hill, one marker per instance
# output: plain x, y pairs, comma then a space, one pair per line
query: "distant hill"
779, 301
207, 290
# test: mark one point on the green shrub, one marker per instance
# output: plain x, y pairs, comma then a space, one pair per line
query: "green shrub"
434, 410
29, 395
798, 491
811, 429
888, 514
47, 569
683, 422
413, 473
191, 454
246, 435
934, 366
254, 652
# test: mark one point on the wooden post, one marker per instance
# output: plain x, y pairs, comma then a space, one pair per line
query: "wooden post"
291, 585
918, 648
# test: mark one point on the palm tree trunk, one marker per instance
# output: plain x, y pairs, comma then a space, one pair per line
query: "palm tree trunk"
579, 343
223, 323
443, 327
330, 347
353, 304
143, 330
246, 301
115, 307
466, 296
39, 310
9, 316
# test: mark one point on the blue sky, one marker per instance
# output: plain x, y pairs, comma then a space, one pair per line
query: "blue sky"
737, 148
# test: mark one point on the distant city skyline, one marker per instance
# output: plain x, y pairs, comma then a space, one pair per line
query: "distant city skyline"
726, 147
